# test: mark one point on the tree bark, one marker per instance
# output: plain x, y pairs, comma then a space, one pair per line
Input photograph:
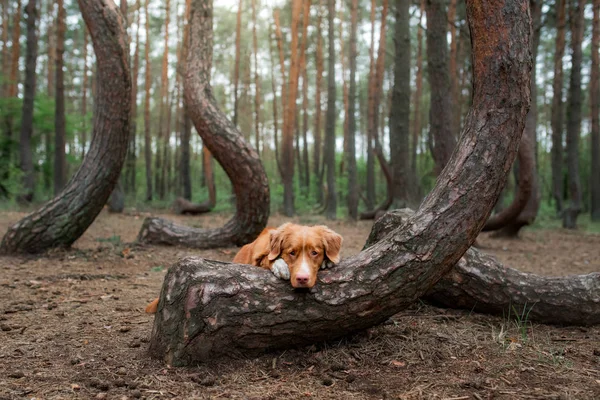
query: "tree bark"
209, 309
65, 218
522, 192
558, 107
13, 79
274, 105
239, 160
595, 108
416, 127
529, 213
236, 67
5, 52
478, 282
131, 153
184, 207
147, 132
574, 102
318, 111
60, 161
84, 95
352, 198
303, 166
441, 108
28, 99
329, 156
162, 139
400, 111
371, 116
186, 134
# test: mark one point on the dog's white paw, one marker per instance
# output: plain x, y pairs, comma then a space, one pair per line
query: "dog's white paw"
280, 269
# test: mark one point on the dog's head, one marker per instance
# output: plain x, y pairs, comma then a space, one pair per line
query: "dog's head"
304, 248
256, 253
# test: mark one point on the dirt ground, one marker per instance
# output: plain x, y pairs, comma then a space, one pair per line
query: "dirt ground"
72, 326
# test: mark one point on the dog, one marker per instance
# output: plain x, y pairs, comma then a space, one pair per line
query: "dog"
292, 251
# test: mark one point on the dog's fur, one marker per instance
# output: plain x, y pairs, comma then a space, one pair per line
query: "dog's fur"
292, 251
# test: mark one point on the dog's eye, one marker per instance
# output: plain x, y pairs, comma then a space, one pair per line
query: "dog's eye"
314, 253
292, 253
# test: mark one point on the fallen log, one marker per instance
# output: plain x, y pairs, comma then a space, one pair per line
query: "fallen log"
182, 206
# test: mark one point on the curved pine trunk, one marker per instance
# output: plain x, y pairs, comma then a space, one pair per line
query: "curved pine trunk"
209, 309
237, 157
65, 218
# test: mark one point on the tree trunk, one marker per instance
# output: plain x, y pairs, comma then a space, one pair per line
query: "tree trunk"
289, 122
387, 173
416, 127
51, 49
65, 218
478, 282
453, 65
147, 133
370, 184
595, 108
6, 129
529, 213
162, 139
441, 110
5, 55
186, 179
329, 156
400, 111
28, 98
574, 102
236, 67
116, 201
256, 81
13, 79
274, 105
318, 112
352, 199
131, 153
302, 152
60, 161
558, 107
183, 207
209, 309
84, 95
522, 191
239, 160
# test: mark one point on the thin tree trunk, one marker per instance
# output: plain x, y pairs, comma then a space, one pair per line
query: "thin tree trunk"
236, 67
131, 154
51, 34
370, 199
558, 107
84, 94
65, 218
28, 98
256, 81
147, 133
416, 128
287, 143
368, 288
162, 139
400, 111
595, 108
441, 110
186, 179
274, 105
13, 79
352, 199
239, 160
5, 52
318, 111
453, 64
574, 103
305, 160
345, 94
329, 155
60, 162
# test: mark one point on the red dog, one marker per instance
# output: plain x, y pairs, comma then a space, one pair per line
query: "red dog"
293, 252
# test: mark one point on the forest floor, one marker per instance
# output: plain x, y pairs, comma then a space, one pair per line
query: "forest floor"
73, 326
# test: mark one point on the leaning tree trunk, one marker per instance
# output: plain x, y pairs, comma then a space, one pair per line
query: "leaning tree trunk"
478, 282
209, 309
238, 158
65, 218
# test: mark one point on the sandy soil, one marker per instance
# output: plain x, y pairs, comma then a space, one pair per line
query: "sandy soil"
72, 326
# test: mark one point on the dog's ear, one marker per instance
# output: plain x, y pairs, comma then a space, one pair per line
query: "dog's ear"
332, 242
276, 241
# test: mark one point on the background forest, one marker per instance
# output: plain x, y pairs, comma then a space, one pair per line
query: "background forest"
352, 105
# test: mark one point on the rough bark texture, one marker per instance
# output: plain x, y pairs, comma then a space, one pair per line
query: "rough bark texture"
329, 155
28, 98
523, 189
400, 111
528, 215
478, 282
441, 108
574, 104
209, 309
239, 160
60, 160
595, 106
65, 218
558, 106
148, 84
352, 199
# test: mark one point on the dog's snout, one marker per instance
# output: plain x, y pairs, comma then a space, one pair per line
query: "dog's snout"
302, 280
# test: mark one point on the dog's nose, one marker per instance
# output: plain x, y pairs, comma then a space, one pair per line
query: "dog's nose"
302, 280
